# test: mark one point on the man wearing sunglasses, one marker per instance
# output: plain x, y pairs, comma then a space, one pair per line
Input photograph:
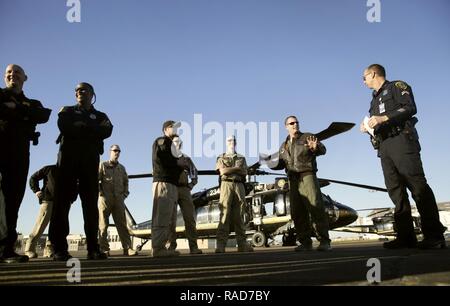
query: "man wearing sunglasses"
395, 137
297, 155
82, 131
113, 189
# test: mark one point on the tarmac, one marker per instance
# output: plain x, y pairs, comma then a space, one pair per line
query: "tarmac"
346, 264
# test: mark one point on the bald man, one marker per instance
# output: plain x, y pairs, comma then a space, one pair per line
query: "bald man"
18, 119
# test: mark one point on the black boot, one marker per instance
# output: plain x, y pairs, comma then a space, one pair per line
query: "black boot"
400, 244
432, 243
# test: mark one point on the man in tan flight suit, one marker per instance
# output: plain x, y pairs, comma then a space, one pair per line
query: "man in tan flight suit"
233, 169
113, 189
185, 201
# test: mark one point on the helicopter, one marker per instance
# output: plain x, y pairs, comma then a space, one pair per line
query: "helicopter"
380, 221
261, 225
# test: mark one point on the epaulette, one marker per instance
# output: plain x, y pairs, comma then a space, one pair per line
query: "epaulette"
66, 108
160, 141
401, 85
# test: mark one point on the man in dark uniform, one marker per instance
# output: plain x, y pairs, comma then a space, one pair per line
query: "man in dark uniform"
83, 129
297, 155
396, 139
18, 119
166, 173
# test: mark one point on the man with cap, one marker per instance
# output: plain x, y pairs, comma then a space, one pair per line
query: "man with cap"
166, 173
113, 189
185, 200
18, 119
232, 168
82, 131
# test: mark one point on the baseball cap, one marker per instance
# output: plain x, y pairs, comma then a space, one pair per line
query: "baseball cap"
115, 147
172, 123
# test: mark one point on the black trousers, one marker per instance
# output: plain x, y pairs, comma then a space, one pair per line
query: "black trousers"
402, 169
14, 164
77, 173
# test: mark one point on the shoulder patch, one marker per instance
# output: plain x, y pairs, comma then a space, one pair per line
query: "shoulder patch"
160, 141
401, 85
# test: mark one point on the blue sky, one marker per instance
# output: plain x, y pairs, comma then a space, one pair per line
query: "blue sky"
249, 61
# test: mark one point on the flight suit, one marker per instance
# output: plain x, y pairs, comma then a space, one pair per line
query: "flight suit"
17, 129
81, 144
113, 180
187, 208
166, 173
305, 197
232, 201
399, 151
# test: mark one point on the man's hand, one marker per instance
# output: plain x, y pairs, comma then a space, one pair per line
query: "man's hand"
375, 121
39, 195
10, 105
311, 143
362, 128
79, 124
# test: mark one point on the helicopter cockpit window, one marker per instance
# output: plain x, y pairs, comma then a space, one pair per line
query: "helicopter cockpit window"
214, 212
281, 204
202, 215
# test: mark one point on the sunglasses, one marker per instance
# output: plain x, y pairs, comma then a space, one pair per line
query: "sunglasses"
292, 123
116, 151
364, 76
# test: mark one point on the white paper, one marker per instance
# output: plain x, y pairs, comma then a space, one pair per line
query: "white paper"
366, 125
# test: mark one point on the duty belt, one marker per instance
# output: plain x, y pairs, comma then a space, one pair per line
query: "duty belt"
392, 131
233, 180
389, 132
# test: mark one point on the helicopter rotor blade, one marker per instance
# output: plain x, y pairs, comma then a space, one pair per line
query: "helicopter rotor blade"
334, 129
356, 185
144, 175
207, 172
262, 172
